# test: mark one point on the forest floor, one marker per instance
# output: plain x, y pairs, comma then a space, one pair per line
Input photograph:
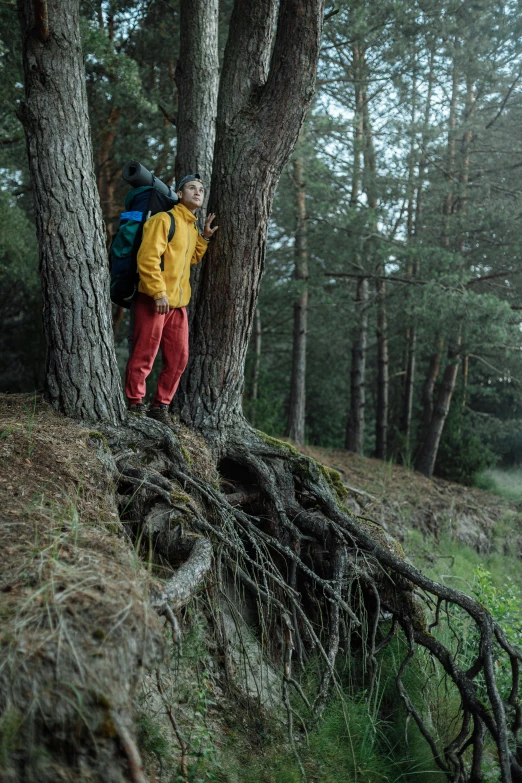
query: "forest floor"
70, 574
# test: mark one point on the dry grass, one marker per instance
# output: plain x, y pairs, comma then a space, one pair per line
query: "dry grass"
76, 629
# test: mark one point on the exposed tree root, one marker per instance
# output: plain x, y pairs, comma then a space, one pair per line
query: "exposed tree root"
283, 532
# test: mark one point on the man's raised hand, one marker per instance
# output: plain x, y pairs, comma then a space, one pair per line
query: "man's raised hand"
209, 231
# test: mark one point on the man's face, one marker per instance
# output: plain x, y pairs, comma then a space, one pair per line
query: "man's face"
192, 195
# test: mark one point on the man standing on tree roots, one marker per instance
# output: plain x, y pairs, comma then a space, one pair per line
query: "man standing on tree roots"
160, 315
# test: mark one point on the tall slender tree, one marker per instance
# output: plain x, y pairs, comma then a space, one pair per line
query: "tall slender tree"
354, 436
297, 404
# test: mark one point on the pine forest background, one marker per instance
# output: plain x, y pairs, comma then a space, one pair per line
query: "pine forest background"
394, 256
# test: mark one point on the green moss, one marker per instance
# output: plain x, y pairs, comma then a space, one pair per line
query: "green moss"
178, 496
278, 444
186, 456
333, 478
382, 538
10, 723
95, 435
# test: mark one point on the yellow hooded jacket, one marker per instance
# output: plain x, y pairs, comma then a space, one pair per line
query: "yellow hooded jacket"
186, 247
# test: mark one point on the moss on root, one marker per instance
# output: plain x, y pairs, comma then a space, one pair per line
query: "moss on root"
381, 537
334, 481
287, 448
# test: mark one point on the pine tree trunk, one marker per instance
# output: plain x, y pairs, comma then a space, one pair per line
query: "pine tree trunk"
263, 97
106, 178
355, 427
381, 422
370, 189
296, 413
409, 386
427, 457
197, 80
429, 384
197, 76
425, 462
81, 377
415, 229
465, 379
354, 436
447, 207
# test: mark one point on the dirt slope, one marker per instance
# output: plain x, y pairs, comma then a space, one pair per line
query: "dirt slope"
398, 499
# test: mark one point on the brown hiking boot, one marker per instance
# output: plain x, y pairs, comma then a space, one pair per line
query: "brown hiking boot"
161, 413
137, 408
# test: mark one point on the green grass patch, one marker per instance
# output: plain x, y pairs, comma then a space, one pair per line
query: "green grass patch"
506, 483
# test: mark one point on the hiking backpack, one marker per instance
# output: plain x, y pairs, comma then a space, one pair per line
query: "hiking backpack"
140, 204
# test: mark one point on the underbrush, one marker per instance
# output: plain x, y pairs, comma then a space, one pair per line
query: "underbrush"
361, 738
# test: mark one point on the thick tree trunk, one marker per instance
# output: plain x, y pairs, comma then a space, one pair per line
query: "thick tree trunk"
260, 113
355, 426
197, 80
82, 377
197, 76
296, 413
425, 462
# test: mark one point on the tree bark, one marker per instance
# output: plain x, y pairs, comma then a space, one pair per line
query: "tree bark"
355, 426
197, 77
370, 189
197, 80
296, 413
429, 384
262, 102
427, 457
425, 462
257, 364
81, 377
415, 229
354, 436
381, 419
447, 206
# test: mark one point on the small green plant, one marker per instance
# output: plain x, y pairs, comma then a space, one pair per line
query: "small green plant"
151, 738
505, 605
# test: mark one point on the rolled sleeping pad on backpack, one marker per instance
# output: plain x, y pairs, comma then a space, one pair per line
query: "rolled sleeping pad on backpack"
138, 176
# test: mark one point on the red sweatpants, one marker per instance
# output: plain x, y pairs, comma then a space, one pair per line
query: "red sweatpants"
151, 332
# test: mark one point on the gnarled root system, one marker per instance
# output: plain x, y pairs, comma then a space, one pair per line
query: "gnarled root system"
323, 580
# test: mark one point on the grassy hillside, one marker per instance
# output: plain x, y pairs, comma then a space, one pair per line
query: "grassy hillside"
198, 714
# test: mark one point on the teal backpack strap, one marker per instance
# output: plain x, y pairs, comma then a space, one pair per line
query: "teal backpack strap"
170, 236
